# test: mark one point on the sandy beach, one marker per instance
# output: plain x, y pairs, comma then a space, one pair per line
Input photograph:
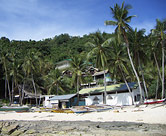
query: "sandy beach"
152, 114
144, 120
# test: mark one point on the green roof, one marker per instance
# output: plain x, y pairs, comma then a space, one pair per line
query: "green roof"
114, 87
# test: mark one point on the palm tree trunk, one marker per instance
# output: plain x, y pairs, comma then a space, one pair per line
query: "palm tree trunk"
12, 90
135, 72
126, 84
144, 83
77, 90
35, 90
163, 55
9, 91
22, 93
57, 89
105, 91
157, 87
5, 88
19, 94
139, 83
157, 66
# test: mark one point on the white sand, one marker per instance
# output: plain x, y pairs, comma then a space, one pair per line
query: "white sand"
143, 114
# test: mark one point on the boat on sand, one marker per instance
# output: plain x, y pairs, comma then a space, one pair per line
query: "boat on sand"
16, 109
154, 101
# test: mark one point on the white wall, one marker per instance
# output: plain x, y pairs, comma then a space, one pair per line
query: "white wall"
118, 99
48, 104
89, 99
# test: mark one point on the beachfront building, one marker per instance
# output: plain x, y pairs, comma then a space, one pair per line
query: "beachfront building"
65, 101
45, 100
117, 94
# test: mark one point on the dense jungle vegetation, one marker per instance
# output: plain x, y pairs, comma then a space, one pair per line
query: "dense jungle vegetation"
128, 53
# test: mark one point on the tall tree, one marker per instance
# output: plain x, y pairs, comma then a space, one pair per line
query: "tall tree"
54, 79
138, 49
29, 67
77, 66
100, 48
120, 14
5, 64
159, 32
117, 64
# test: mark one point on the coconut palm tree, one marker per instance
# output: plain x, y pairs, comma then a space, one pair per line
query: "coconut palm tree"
15, 73
77, 67
54, 79
29, 67
100, 48
117, 64
120, 14
5, 66
160, 33
138, 49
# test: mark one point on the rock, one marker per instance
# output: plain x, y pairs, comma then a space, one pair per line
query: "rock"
18, 132
68, 128
98, 126
31, 131
9, 129
1, 125
75, 128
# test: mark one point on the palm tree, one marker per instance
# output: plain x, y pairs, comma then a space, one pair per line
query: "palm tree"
54, 79
120, 14
137, 45
159, 32
15, 73
77, 66
117, 64
29, 68
5, 66
100, 45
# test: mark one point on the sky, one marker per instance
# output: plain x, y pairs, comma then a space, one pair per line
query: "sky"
41, 19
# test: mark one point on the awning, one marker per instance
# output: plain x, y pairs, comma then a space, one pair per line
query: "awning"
62, 97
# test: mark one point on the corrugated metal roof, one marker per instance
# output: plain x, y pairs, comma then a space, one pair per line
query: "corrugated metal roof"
110, 88
62, 97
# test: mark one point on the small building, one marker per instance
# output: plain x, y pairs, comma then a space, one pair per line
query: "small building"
100, 76
98, 79
30, 98
63, 101
117, 94
63, 64
45, 100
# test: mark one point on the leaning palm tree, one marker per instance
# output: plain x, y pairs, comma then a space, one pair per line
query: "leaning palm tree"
99, 45
138, 49
120, 14
77, 67
159, 32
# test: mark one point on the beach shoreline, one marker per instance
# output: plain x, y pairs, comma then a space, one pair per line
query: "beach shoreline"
129, 121
151, 114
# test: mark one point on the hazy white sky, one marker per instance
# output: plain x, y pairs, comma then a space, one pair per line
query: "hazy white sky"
40, 19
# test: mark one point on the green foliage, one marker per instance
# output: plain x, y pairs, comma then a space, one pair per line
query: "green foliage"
22, 60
